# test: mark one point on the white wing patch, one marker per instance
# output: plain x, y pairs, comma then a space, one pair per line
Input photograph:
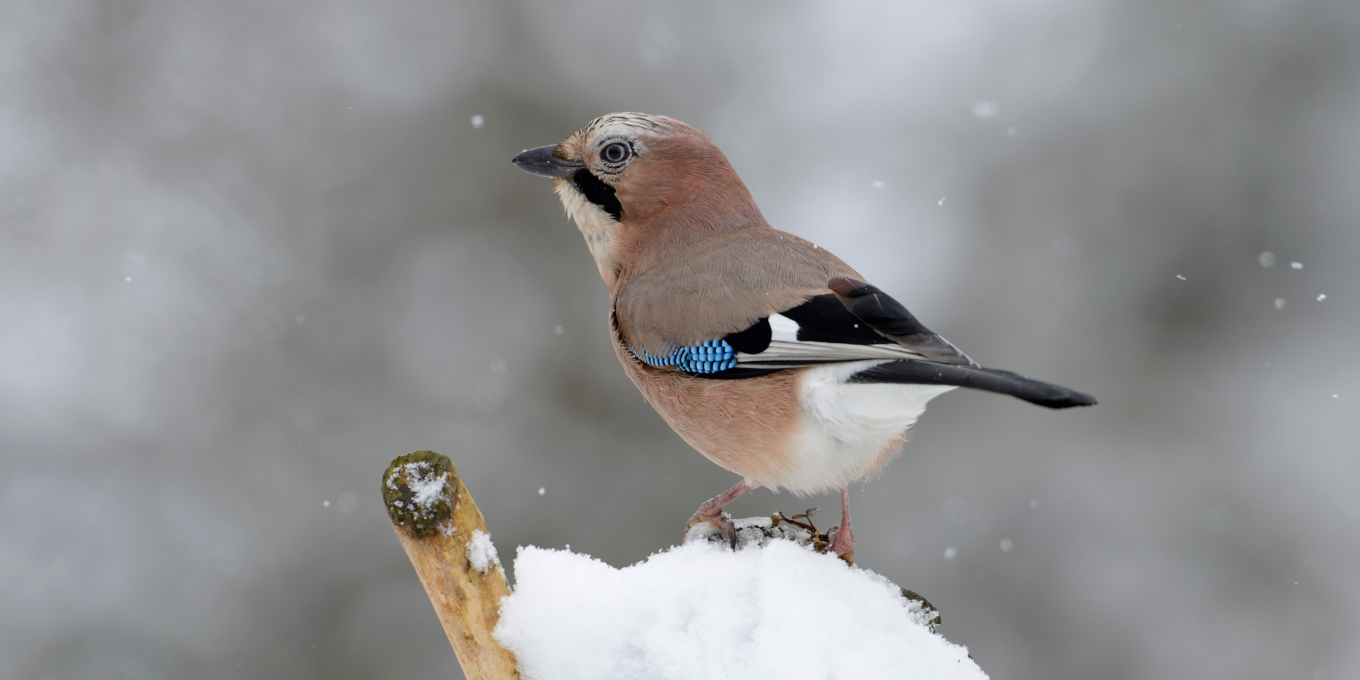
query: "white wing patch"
787, 350
783, 329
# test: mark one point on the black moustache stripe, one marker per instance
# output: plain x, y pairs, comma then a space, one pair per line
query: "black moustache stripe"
597, 192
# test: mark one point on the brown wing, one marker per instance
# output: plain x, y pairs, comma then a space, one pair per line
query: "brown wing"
726, 284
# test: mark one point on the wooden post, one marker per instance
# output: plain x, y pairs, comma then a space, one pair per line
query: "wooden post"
445, 536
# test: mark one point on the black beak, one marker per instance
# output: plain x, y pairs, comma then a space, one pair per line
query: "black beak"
541, 161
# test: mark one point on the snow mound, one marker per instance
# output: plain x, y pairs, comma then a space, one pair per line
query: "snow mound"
778, 610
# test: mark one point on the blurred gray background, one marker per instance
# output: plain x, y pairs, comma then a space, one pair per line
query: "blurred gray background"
251, 251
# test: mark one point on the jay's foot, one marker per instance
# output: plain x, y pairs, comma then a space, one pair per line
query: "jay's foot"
713, 514
712, 511
843, 542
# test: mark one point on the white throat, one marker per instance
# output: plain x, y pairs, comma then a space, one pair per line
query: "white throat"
598, 226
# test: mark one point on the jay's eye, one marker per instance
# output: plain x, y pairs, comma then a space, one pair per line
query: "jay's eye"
617, 152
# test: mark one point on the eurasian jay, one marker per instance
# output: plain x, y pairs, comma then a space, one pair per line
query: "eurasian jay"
766, 353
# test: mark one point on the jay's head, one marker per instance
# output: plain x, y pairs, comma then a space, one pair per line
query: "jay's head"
637, 177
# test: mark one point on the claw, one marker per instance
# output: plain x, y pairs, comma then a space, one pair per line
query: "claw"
720, 521
712, 512
842, 543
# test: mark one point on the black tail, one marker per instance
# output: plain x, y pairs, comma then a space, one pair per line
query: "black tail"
987, 379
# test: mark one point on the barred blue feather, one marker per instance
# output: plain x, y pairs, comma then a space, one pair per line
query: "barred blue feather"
708, 357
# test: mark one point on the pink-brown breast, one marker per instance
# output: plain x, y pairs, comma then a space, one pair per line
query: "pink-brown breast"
746, 426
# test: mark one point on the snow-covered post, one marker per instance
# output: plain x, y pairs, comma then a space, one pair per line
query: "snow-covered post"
445, 536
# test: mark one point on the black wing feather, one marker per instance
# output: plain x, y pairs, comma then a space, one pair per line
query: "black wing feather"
887, 316
753, 340
986, 379
825, 319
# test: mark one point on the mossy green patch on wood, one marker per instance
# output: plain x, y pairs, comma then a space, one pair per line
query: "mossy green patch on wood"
419, 490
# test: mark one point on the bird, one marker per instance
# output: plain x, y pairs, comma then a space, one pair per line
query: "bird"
766, 353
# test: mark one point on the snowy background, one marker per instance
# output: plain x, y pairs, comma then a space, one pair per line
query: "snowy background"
252, 251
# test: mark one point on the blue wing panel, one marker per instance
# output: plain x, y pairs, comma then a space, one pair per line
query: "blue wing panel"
709, 357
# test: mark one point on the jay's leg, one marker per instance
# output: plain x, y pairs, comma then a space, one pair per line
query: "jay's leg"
712, 509
843, 544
